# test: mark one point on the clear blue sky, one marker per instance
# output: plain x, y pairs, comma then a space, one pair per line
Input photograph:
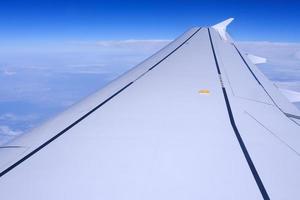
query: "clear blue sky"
34, 21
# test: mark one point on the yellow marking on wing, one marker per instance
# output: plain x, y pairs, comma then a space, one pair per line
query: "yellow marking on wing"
205, 91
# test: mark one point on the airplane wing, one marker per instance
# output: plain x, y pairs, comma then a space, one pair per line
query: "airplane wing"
197, 120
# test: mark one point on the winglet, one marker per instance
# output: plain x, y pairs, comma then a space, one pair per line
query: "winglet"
221, 27
256, 59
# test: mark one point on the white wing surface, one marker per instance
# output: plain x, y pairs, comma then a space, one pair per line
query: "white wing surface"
197, 120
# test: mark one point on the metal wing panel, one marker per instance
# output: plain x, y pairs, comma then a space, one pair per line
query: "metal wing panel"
276, 161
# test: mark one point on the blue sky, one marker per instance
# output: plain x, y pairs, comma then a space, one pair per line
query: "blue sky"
55, 53
41, 21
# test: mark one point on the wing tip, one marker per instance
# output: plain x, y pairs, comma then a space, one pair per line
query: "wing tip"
222, 26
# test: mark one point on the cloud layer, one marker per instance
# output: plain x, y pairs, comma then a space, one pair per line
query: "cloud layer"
282, 67
283, 59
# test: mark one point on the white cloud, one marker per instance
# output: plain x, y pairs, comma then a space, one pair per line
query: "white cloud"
86, 69
131, 43
292, 96
289, 85
8, 72
284, 54
106, 47
132, 46
14, 117
283, 64
7, 134
7, 131
121, 43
